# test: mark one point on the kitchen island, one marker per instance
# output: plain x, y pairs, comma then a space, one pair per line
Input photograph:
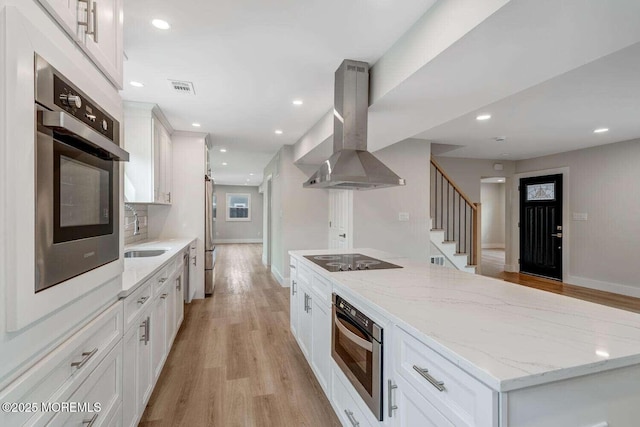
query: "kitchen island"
510, 355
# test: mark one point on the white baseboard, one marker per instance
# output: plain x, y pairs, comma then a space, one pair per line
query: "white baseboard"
616, 288
493, 246
221, 241
278, 276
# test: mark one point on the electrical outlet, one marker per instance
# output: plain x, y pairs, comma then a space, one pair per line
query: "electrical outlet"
403, 216
580, 216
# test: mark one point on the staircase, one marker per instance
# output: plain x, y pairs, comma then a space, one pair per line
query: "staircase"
455, 222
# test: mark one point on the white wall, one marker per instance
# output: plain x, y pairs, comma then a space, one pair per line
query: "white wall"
467, 173
375, 212
238, 231
603, 183
300, 215
185, 216
492, 197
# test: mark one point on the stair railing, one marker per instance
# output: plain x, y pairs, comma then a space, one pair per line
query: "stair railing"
453, 212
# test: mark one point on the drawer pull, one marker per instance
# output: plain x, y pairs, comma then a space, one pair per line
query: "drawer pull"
392, 407
142, 300
353, 420
293, 287
162, 280
90, 421
163, 296
425, 374
292, 266
86, 356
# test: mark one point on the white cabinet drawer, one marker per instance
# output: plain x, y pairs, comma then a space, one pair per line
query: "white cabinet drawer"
346, 407
322, 288
414, 410
461, 398
137, 302
304, 274
56, 376
161, 278
103, 388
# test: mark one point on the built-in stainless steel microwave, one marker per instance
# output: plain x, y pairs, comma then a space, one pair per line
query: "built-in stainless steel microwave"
77, 180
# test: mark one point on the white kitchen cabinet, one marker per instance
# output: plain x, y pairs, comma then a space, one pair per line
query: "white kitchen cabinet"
179, 301
137, 372
321, 346
147, 138
293, 298
104, 45
97, 27
160, 324
414, 410
305, 330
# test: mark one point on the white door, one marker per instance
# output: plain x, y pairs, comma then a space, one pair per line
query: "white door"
66, 13
340, 219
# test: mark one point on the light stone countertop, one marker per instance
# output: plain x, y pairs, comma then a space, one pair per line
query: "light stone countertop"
506, 335
138, 270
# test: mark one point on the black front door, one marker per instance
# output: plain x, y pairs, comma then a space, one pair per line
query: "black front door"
541, 226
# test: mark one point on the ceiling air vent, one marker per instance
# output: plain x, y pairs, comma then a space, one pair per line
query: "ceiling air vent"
182, 87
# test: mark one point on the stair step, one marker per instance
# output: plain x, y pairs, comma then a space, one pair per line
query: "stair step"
448, 242
437, 229
460, 254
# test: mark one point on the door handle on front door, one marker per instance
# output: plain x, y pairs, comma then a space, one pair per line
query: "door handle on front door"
344, 236
557, 235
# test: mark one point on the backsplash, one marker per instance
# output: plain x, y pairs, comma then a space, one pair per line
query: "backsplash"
142, 211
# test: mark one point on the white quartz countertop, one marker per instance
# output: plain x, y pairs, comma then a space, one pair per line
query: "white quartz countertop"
506, 335
138, 270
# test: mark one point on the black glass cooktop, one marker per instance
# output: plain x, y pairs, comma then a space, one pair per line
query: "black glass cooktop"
349, 262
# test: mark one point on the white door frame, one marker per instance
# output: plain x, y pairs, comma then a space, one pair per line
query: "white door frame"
513, 200
266, 225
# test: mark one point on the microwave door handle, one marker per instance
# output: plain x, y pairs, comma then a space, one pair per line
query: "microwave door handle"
351, 336
67, 124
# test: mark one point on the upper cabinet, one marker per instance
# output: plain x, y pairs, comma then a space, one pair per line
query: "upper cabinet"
96, 25
147, 138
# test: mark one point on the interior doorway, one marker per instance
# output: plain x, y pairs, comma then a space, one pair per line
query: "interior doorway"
493, 226
340, 219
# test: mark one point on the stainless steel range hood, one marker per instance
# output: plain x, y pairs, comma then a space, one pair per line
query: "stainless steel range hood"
351, 166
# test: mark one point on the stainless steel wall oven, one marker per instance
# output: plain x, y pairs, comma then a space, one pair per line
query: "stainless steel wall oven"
356, 346
77, 180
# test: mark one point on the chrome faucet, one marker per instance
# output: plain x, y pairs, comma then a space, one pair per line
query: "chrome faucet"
136, 221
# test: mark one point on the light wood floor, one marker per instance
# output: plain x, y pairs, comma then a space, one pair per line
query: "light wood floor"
234, 361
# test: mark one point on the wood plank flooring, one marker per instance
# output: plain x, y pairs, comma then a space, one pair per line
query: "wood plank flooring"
234, 361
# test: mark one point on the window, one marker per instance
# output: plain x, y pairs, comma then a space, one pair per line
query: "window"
541, 192
238, 207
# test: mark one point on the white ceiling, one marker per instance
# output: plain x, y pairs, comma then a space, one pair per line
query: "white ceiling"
248, 60
556, 116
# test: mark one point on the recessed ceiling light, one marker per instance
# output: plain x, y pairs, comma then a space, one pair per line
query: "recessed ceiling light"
195, 125
223, 150
483, 117
501, 180
601, 130
250, 174
297, 102
224, 163
161, 24
278, 132
136, 84
505, 154
248, 180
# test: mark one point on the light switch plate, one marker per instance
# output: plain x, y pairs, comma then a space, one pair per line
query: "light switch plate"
577, 216
403, 216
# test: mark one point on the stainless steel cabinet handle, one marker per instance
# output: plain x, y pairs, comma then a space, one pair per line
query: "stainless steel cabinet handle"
162, 280
169, 197
143, 300
292, 266
164, 296
392, 407
143, 338
344, 236
147, 334
91, 420
86, 356
305, 302
293, 287
425, 374
94, 31
194, 260
90, 22
179, 285
353, 420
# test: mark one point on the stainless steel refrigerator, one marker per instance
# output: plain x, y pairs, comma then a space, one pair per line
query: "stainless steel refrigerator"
209, 232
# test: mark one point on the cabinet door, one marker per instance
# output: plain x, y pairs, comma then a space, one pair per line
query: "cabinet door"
170, 317
294, 307
179, 312
415, 410
137, 384
304, 321
65, 12
159, 332
103, 37
321, 344
166, 165
158, 197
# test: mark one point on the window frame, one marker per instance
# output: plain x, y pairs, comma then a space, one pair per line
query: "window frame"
228, 207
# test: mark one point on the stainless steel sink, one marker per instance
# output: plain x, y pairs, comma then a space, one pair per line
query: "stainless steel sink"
144, 253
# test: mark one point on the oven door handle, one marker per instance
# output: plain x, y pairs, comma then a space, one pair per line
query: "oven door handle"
360, 342
69, 125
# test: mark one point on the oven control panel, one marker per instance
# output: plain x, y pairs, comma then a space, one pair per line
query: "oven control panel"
352, 312
75, 103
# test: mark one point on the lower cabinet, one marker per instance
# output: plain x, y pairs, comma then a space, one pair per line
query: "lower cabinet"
179, 300
413, 409
305, 330
136, 373
321, 347
159, 330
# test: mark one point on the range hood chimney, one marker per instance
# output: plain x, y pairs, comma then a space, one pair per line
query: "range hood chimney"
351, 166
